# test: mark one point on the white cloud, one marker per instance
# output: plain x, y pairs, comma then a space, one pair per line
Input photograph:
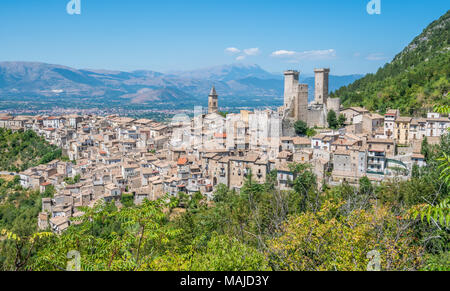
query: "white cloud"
281, 53
294, 56
242, 54
232, 50
376, 57
251, 51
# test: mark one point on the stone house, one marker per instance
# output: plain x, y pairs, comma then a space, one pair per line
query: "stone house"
59, 224
417, 129
372, 121
388, 145
401, 130
389, 122
284, 177
354, 115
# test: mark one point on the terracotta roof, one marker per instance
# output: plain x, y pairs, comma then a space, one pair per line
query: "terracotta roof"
220, 135
380, 140
343, 142
287, 138
358, 109
182, 161
342, 152
404, 119
377, 148
418, 156
302, 140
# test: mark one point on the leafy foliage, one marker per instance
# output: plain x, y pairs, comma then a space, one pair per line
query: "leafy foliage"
300, 127
19, 209
332, 119
327, 240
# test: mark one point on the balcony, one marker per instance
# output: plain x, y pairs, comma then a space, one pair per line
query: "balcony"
375, 173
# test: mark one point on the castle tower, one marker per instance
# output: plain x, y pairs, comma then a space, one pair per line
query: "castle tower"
321, 86
290, 87
301, 103
213, 101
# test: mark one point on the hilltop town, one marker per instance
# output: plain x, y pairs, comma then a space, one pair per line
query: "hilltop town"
111, 156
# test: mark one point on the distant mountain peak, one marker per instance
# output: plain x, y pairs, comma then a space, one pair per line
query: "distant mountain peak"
227, 72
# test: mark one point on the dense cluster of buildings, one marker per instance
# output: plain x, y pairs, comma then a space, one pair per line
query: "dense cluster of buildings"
113, 155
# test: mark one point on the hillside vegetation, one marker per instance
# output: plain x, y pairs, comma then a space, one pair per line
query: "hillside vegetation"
24, 149
416, 79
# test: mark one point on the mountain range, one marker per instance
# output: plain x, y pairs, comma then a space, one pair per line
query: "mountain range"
238, 85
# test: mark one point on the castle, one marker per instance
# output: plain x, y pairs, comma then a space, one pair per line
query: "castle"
296, 105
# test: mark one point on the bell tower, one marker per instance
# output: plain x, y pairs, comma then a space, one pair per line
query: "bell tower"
213, 101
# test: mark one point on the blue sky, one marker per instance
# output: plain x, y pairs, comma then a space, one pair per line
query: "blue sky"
189, 34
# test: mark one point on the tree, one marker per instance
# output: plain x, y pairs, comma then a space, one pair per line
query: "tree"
329, 241
223, 113
415, 172
229, 254
438, 213
107, 239
365, 186
311, 132
300, 127
425, 150
332, 120
305, 187
341, 120
23, 247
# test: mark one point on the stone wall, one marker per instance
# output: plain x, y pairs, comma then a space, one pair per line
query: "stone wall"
317, 116
335, 105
